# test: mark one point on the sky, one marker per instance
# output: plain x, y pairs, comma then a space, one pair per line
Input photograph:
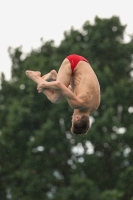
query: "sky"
25, 22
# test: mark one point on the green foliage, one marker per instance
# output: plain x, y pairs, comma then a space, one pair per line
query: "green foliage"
80, 188
111, 194
125, 182
39, 157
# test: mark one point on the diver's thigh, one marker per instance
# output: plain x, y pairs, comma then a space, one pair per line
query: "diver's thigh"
65, 73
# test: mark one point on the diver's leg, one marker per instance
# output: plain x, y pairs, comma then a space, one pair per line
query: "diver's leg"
51, 94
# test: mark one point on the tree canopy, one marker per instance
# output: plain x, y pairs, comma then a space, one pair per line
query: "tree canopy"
39, 157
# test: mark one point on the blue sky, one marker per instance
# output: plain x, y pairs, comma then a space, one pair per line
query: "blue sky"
24, 22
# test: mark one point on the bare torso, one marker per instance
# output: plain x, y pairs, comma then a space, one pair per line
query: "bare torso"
84, 84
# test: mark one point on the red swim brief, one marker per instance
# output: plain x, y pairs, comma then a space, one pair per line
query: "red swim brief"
74, 60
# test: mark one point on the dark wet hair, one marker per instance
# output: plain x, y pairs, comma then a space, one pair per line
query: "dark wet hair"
81, 126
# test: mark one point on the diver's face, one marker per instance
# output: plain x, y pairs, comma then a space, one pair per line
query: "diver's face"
75, 117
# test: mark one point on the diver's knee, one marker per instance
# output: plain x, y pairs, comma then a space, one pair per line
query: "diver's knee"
56, 99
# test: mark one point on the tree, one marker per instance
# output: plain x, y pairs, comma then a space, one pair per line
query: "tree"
40, 158
111, 194
80, 188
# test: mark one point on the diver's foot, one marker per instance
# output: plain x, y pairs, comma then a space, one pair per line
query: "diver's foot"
51, 76
30, 73
33, 75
